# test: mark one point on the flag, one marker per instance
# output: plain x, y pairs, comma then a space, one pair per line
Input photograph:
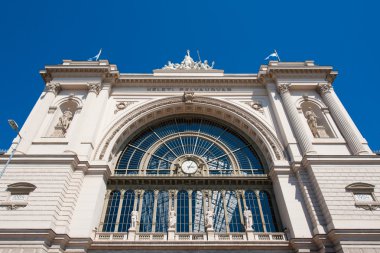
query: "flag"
96, 57
274, 54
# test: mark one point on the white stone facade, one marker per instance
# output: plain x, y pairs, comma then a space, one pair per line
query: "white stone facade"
324, 178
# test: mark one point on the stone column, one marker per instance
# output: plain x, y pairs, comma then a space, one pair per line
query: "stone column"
156, 192
36, 117
189, 194
295, 121
341, 120
91, 117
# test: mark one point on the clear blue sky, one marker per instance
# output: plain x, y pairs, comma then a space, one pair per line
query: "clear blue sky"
140, 36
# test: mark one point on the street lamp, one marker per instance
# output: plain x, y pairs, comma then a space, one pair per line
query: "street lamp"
14, 126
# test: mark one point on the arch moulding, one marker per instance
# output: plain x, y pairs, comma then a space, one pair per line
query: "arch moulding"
132, 121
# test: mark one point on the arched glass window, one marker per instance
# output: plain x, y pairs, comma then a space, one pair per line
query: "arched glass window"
125, 215
233, 212
219, 215
198, 219
111, 213
162, 211
182, 211
270, 221
164, 143
252, 204
146, 220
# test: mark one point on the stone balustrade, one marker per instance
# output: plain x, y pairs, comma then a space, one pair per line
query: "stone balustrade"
107, 236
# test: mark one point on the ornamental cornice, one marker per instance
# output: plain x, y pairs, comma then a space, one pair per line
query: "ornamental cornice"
179, 82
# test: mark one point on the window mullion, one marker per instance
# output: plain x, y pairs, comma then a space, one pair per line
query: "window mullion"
122, 192
189, 195
104, 211
223, 193
257, 193
140, 210
154, 210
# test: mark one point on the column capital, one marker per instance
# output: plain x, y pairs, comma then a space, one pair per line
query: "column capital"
53, 87
323, 88
94, 87
283, 87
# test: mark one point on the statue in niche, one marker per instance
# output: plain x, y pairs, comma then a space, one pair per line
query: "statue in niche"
172, 219
210, 219
248, 218
63, 124
134, 215
312, 121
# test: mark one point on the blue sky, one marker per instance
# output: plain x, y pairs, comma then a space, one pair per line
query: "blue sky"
140, 36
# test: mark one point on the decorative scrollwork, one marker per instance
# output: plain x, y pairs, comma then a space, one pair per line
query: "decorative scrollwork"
283, 87
324, 87
53, 87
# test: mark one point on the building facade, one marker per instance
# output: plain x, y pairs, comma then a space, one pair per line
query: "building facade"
189, 159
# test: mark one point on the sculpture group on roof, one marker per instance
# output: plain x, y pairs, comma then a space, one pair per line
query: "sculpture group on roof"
189, 64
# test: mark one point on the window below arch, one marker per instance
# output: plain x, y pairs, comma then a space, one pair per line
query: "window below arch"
191, 208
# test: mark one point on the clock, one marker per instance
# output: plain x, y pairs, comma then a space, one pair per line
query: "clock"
189, 167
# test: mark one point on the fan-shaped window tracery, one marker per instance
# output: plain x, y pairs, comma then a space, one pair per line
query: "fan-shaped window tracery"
157, 149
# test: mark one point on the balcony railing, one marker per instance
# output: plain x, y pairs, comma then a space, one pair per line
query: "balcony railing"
249, 236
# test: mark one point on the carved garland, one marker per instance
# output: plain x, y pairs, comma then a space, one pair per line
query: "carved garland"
275, 145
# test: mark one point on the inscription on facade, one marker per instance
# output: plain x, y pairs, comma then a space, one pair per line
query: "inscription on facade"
198, 89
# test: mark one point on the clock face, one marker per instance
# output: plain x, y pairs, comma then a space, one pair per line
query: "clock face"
189, 167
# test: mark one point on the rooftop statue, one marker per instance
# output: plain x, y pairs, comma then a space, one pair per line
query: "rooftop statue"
189, 64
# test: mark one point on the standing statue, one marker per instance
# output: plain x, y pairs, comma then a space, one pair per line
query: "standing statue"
248, 218
134, 215
63, 124
210, 219
312, 121
172, 219
188, 62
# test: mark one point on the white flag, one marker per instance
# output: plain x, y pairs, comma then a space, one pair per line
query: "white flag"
273, 55
96, 57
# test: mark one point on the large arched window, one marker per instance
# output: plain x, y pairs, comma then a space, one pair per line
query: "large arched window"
189, 176
160, 148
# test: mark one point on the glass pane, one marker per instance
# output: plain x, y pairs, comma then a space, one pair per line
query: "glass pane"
270, 221
111, 213
252, 204
125, 216
147, 212
233, 212
162, 212
197, 212
219, 216
182, 212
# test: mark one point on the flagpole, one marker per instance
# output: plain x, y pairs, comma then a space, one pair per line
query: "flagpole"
277, 55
